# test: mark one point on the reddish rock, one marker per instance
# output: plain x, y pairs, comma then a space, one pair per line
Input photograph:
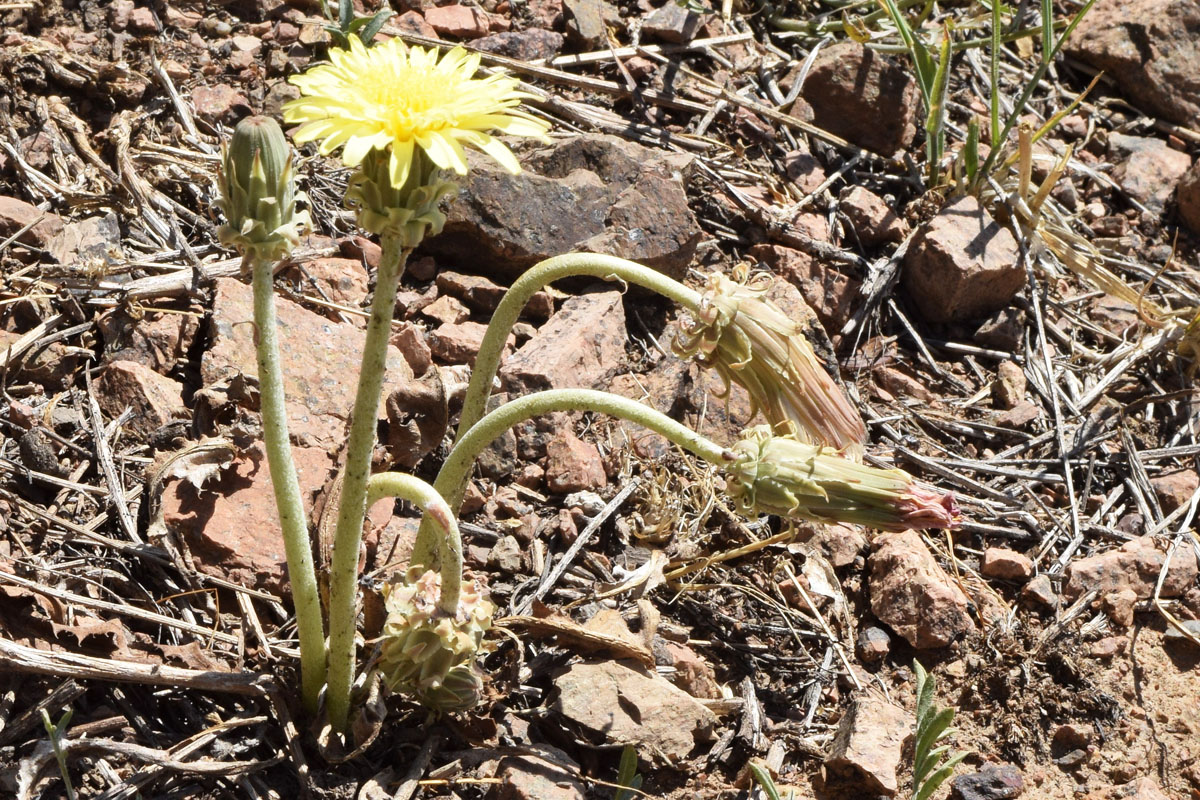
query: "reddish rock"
573, 465
231, 526
320, 361
1119, 606
1009, 565
87, 244
804, 170
413, 22
16, 214
339, 280
118, 14
1039, 593
692, 673
142, 20
863, 97
447, 311
1147, 169
1009, 389
527, 777
156, 340
582, 342
464, 22
873, 221
841, 545
1018, 417
618, 703
1151, 48
50, 365
873, 644
912, 594
533, 44
410, 341
1134, 565
218, 103
828, 292
363, 249
867, 748
484, 295
458, 343
155, 399
1174, 489
1108, 647
962, 264
547, 14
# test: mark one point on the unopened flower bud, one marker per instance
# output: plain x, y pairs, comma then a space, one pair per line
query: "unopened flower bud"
780, 475
258, 191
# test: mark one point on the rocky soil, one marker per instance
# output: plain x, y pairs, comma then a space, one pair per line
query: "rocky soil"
142, 577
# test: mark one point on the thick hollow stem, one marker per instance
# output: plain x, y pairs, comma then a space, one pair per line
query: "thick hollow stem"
456, 471
287, 490
343, 578
437, 511
536, 278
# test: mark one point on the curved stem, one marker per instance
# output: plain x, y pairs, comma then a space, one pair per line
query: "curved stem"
456, 471
288, 499
437, 510
343, 578
536, 278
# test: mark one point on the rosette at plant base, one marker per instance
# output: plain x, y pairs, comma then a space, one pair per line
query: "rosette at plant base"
748, 340
406, 99
427, 654
258, 191
779, 475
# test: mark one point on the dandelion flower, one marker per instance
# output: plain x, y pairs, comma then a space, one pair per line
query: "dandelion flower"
410, 101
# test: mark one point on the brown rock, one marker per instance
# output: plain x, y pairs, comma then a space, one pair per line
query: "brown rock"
873, 221
1009, 389
87, 244
464, 22
590, 193
410, 341
1019, 416
1108, 647
1119, 606
447, 311
156, 340
867, 747
528, 777
692, 673
50, 365
993, 782
484, 295
861, 96
873, 644
804, 170
340, 280
220, 103
505, 555
418, 414
1151, 48
584, 340
16, 214
1040, 593
1148, 170
1174, 489
155, 399
533, 44
1009, 565
588, 21
320, 361
142, 20
1134, 565
1187, 196
828, 292
912, 594
232, 525
458, 343
841, 545
962, 264
672, 23
618, 703
573, 465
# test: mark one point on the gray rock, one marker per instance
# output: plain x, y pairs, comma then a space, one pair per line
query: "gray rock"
1149, 170
993, 782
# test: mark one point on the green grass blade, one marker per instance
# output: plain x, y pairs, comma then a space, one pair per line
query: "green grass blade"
995, 75
935, 119
763, 779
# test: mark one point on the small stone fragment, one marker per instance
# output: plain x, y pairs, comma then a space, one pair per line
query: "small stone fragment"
873, 644
1148, 170
154, 399
533, 44
913, 595
1119, 606
1039, 593
464, 22
672, 23
588, 20
962, 264
1009, 565
873, 221
1174, 489
868, 745
573, 465
1187, 196
993, 782
528, 777
1009, 389
219, 103
447, 311
505, 555
17, 214
457, 343
1134, 565
582, 342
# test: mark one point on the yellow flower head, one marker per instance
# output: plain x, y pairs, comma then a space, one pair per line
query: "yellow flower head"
404, 98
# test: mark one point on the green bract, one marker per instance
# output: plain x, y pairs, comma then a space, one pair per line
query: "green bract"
258, 191
409, 211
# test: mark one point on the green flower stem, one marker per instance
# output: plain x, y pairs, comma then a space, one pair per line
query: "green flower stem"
456, 471
343, 578
537, 278
437, 510
287, 489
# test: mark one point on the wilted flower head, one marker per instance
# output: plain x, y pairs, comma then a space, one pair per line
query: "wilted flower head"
258, 191
779, 475
748, 340
426, 653
407, 100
